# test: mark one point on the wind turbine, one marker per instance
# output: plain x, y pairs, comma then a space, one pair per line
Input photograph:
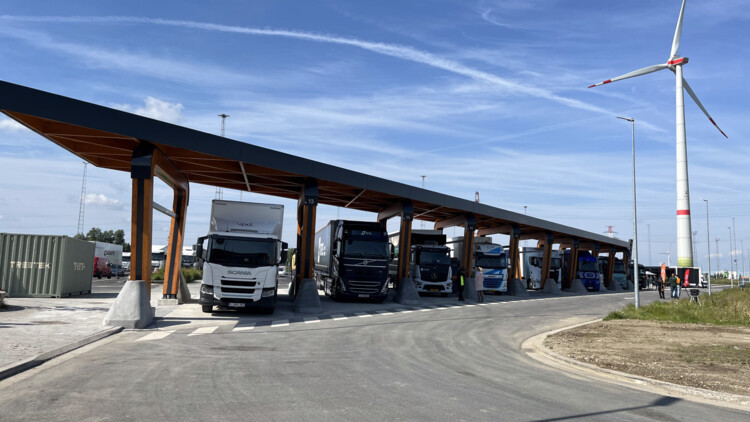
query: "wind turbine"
675, 63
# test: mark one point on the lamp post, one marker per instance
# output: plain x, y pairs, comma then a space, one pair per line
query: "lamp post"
731, 257
708, 243
636, 278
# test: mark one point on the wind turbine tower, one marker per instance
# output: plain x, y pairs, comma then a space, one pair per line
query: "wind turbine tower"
675, 63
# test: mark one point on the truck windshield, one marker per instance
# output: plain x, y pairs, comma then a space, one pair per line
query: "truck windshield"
355, 248
242, 252
434, 257
619, 267
488, 261
588, 266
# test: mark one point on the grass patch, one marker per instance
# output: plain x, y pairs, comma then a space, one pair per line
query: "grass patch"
729, 307
190, 274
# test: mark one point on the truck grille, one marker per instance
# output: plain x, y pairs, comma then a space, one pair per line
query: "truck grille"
492, 283
368, 287
238, 286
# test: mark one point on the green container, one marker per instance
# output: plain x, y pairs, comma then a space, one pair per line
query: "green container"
33, 265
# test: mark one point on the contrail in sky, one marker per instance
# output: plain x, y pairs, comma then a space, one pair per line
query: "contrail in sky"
393, 50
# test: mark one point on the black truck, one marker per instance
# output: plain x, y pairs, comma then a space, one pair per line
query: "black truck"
351, 260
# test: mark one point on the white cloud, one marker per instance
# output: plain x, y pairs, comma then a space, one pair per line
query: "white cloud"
8, 125
102, 199
156, 109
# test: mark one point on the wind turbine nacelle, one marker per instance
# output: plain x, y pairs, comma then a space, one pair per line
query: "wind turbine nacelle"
677, 60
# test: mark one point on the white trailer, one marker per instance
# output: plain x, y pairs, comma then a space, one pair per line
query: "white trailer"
111, 252
241, 255
531, 265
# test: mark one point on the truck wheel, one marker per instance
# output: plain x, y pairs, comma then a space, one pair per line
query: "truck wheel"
207, 308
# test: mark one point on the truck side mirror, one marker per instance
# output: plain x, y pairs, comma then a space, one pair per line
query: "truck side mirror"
199, 248
393, 251
284, 253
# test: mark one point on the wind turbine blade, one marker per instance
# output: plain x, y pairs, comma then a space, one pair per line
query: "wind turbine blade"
639, 72
677, 33
695, 98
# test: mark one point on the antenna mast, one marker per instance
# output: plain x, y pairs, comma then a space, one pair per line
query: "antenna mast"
219, 190
82, 206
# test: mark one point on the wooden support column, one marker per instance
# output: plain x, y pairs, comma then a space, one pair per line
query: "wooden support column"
572, 265
596, 250
306, 207
405, 210
147, 162
469, 223
514, 255
546, 246
610, 268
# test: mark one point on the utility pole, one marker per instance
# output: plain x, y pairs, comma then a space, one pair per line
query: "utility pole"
708, 243
82, 205
220, 190
524, 213
422, 176
731, 258
717, 254
742, 251
734, 234
650, 261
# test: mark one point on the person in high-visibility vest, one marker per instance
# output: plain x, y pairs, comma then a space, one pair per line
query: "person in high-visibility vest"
461, 285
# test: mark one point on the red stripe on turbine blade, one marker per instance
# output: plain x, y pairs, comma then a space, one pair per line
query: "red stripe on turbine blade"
607, 81
717, 127
683, 212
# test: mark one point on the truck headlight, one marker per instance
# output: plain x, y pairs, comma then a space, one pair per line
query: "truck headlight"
268, 292
207, 290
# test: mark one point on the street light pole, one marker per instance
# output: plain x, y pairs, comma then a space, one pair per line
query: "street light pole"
636, 278
731, 258
708, 243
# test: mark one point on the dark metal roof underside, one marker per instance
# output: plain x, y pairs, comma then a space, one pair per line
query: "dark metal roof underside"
106, 138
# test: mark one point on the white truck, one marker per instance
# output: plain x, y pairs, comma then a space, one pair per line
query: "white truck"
241, 254
430, 261
491, 257
531, 259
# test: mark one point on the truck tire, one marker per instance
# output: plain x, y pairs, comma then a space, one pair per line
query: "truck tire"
207, 308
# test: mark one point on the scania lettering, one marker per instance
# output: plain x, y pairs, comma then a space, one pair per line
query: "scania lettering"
351, 260
430, 266
241, 255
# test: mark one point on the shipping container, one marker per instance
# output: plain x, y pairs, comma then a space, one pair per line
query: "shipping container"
33, 265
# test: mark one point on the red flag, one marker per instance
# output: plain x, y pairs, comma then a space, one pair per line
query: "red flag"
664, 272
687, 277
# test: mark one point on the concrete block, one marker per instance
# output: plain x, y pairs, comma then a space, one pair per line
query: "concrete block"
615, 286
307, 300
406, 292
602, 288
183, 291
577, 287
551, 287
470, 290
517, 287
167, 302
132, 308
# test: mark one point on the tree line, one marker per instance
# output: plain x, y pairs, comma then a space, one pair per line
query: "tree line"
116, 237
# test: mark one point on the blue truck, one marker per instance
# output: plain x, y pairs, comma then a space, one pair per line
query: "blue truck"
588, 270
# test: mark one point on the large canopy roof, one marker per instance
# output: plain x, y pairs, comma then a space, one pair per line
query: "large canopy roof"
106, 138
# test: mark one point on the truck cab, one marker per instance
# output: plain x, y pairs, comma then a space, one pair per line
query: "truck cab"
430, 261
241, 255
493, 260
532, 267
588, 270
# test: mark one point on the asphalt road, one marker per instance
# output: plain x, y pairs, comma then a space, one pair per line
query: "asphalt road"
439, 364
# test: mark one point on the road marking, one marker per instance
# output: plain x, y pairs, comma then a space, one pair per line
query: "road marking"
203, 330
384, 312
469, 305
244, 327
156, 335
311, 320
280, 323
362, 314
339, 317
425, 309
406, 311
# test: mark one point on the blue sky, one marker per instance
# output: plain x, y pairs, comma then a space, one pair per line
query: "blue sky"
487, 96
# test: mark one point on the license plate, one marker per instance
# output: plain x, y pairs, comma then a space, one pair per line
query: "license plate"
434, 290
236, 305
363, 295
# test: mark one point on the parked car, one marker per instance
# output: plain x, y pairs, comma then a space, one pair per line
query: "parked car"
118, 271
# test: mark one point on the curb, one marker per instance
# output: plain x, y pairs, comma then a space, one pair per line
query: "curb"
16, 368
534, 348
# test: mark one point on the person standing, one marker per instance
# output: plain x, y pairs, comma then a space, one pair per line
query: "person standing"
672, 280
660, 287
460, 285
479, 284
679, 287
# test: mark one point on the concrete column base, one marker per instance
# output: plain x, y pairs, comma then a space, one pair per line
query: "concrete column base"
577, 287
132, 307
470, 290
603, 288
406, 293
631, 287
517, 287
615, 286
308, 300
183, 292
551, 287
